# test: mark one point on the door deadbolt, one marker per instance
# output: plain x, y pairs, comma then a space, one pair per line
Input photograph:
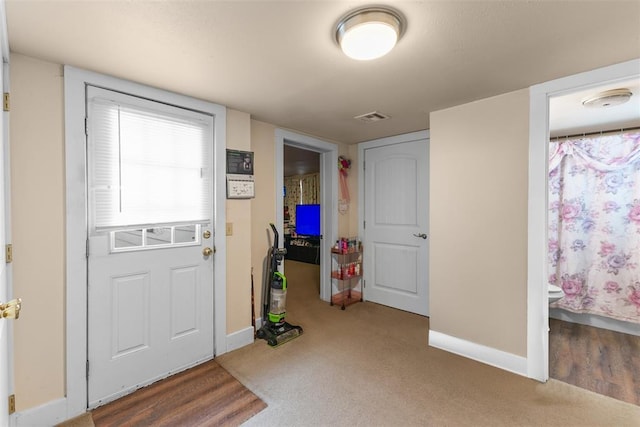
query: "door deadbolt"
206, 234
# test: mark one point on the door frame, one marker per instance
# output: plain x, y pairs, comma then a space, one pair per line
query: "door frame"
75, 81
8, 379
328, 194
381, 142
537, 270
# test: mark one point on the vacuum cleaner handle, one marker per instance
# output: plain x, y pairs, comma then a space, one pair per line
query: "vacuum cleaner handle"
275, 237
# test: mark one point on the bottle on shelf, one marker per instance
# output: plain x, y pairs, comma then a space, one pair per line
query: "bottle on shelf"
346, 272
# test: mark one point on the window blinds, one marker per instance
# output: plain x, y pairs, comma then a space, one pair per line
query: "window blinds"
147, 166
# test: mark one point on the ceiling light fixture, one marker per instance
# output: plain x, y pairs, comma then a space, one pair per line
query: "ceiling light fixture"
608, 98
370, 32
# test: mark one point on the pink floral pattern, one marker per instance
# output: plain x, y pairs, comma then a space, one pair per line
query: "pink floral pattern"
594, 225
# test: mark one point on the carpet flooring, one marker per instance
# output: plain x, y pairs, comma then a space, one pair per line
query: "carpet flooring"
371, 365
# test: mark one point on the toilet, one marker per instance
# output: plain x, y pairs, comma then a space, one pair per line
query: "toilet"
555, 293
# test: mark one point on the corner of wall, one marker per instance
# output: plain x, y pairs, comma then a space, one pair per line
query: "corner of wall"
37, 181
239, 214
478, 222
263, 207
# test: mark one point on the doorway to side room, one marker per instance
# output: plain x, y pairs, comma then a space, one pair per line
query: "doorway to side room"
301, 215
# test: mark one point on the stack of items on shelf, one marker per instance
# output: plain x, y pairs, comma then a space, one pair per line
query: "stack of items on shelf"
346, 272
346, 245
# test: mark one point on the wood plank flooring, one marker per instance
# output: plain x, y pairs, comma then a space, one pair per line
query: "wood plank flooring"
206, 395
603, 361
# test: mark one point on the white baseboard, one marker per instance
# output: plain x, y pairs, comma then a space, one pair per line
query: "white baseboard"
595, 321
240, 338
51, 413
488, 355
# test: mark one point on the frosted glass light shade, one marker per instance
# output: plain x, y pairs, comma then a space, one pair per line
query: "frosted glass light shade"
369, 33
608, 98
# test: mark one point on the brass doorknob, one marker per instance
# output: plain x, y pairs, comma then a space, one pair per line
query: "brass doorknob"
11, 309
207, 251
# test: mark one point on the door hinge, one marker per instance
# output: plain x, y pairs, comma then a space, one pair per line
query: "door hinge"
87, 249
12, 404
87, 369
364, 165
86, 127
364, 224
8, 254
364, 283
6, 101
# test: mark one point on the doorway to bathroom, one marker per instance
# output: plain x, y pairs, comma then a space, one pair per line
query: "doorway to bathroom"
594, 239
556, 352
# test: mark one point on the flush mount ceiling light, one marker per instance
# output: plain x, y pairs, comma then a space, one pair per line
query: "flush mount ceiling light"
608, 98
370, 32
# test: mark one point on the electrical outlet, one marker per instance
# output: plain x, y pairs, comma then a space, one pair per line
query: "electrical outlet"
229, 229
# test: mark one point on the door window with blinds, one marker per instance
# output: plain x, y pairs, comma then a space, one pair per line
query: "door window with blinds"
149, 170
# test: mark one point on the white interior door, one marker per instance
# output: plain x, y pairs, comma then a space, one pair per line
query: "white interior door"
396, 222
150, 290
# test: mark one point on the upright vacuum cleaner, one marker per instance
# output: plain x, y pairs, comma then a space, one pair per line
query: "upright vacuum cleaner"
274, 295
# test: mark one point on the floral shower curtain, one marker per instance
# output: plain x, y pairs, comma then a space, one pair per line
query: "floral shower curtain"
301, 190
594, 225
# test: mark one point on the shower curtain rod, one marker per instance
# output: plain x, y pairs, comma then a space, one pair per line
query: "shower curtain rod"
602, 132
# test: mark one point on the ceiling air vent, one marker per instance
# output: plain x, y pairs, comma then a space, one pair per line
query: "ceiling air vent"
374, 116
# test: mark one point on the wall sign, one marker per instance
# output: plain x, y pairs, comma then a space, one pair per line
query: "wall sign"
240, 183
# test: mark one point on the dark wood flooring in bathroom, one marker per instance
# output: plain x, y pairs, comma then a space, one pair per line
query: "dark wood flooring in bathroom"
603, 361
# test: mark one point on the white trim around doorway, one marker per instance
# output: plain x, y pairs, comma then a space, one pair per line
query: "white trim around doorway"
537, 301
328, 194
75, 402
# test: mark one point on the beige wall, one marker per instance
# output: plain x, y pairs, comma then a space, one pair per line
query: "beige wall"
264, 204
38, 232
478, 222
351, 227
38, 211
238, 244
263, 208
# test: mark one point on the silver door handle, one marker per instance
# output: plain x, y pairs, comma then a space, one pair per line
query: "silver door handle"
424, 236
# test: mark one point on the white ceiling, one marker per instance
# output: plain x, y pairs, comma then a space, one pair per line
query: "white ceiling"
567, 115
278, 61
300, 162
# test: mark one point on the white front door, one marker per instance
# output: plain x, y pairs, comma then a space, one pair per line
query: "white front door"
150, 290
396, 199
